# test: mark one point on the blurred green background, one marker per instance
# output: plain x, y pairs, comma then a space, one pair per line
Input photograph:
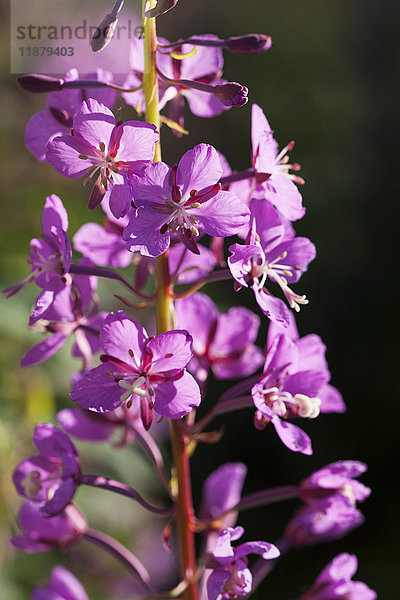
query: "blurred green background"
330, 82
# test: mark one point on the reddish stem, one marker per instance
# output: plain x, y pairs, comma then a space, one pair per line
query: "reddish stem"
185, 512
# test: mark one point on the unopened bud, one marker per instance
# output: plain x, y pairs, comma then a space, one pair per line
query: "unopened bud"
104, 33
253, 43
39, 84
231, 94
161, 8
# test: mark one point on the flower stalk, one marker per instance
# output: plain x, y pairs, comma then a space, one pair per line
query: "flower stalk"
164, 308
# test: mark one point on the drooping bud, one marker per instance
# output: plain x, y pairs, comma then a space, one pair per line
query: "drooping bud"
253, 43
231, 94
40, 84
162, 7
104, 33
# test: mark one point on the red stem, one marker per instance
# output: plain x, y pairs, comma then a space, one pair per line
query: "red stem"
185, 512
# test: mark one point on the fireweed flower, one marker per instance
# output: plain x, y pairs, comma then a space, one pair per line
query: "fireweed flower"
314, 524
336, 479
49, 257
335, 582
51, 478
230, 576
61, 107
100, 147
135, 367
221, 342
279, 188
182, 201
308, 354
62, 585
270, 254
294, 384
202, 66
72, 312
42, 534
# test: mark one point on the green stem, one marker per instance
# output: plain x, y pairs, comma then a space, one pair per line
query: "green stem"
164, 312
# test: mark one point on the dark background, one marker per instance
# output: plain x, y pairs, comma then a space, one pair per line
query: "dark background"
330, 82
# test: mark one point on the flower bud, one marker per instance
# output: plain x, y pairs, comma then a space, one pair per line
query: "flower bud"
253, 43
38, 84
104, 33
161, 8
231, 94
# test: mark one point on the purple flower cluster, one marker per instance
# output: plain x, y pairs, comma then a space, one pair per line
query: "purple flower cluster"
330, 497
230, 577
50, 479
170, 222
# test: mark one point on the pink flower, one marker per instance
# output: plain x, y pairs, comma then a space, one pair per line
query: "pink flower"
136, 367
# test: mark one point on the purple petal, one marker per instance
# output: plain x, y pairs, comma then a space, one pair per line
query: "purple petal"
62, 582
43, 350
290, 331
62, 497
94, 122
170, 351
205, 61
233, 367
222, 490
119, 335
274, 308
137, 141
223, 551
235, 330
51, 441
85, 425
215, 583
331, 400
312, 353
54, 213
300, 252
45, 467
292, 436
268, 223
240, 261
143, 233
343, 566
118, 196
176, 398
304, 382
97, 390
198, 168
282, 355
259, 128
223, 215
282, 192
63, 155
202, 104
197, 314
153, 186
54, 305
43, 534
41, 129
264, 549
102, 247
